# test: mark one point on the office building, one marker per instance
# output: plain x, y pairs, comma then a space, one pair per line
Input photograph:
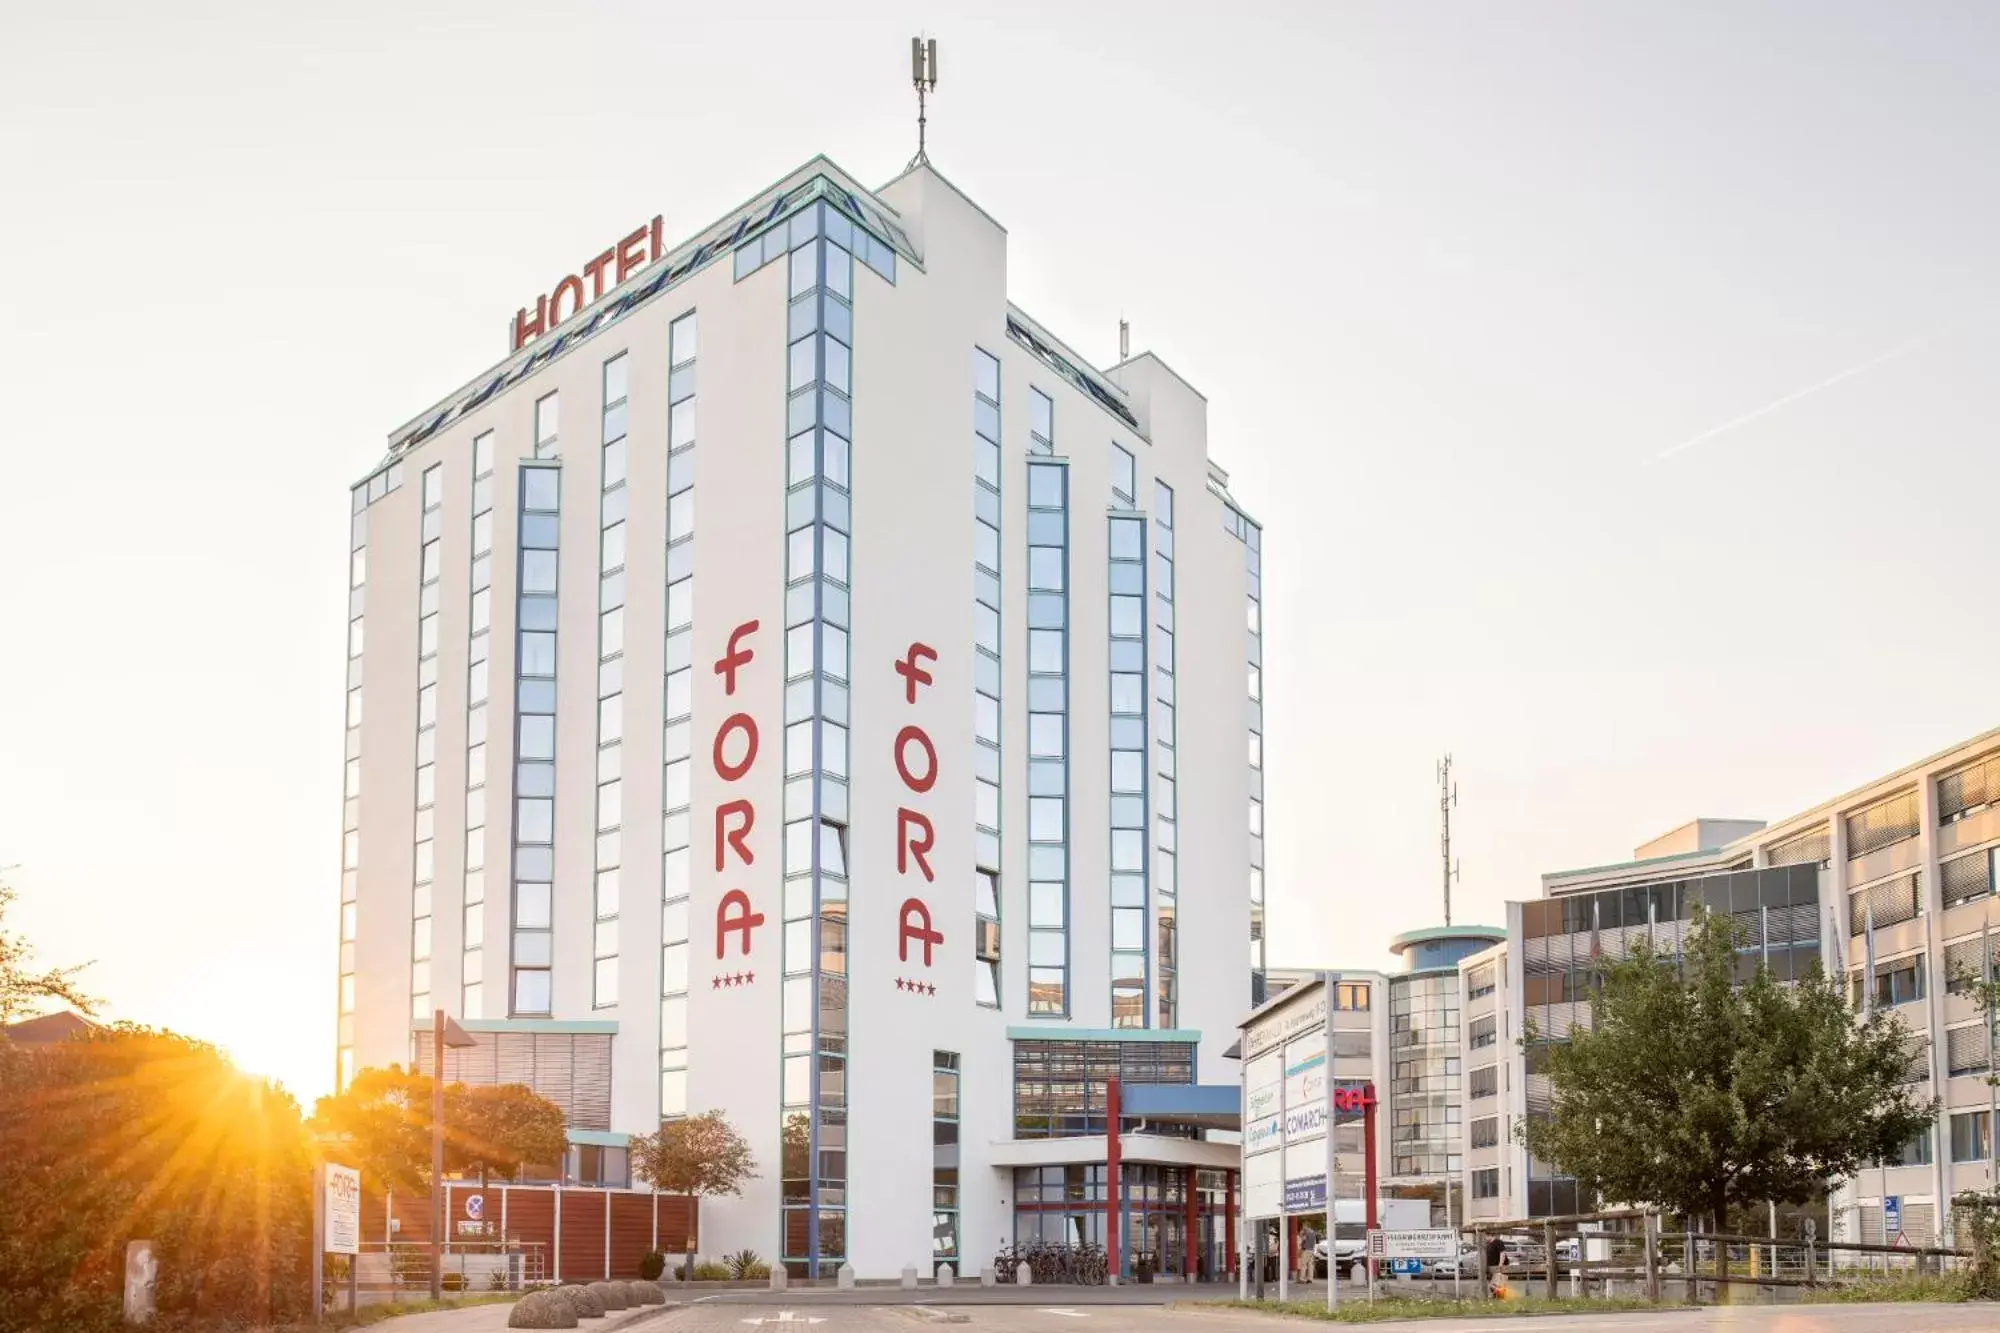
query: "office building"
1901, 869
794, 682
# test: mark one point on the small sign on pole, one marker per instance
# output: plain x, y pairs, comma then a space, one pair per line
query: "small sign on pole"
342, 1201
1422, 1243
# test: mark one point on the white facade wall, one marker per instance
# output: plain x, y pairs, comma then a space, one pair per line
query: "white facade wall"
911, 581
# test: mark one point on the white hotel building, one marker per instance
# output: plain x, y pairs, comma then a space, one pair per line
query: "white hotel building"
797, 684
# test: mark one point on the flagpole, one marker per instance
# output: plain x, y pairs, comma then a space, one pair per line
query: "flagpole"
1332, 1160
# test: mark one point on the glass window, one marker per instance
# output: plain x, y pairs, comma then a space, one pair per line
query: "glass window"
1124, 473
1045, 568
1041, 414
1045, 487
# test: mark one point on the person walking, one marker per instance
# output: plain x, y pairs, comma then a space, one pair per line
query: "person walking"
1308, 1252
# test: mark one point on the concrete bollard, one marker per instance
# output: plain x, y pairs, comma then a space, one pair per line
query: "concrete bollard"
1024, 1275
988, 1278
945, 1276
779, 1275
844, 1279
909, 1277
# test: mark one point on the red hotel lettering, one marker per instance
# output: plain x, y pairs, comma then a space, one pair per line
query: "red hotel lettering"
921, 931
742, 921
914, 834
740, 813
626, 256
910, 849
738, 837
929, 779
912, 674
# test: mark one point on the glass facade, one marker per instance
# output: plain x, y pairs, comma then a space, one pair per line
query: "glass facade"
350, 791
1166, 812
1775, 909
1062, 1088
1245, 530
424, 874
1064, 1205
819, 247
610, 685
944, 1159
986, 659
535, 738
677, 746
1048, 738
1424, 1083
1127, 653
479, 651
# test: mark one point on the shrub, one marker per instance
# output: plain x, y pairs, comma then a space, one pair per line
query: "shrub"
712, 1273
745, 1264
587, 1303
497, 1280
542, 1309
451, 1282
613, 1295
651, 1264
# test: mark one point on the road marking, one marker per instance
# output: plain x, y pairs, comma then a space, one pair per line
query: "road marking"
786, 1317
1068, 1314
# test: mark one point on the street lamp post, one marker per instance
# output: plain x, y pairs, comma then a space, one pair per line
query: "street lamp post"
444, 1032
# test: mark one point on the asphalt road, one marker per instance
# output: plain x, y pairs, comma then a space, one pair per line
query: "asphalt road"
811, 1312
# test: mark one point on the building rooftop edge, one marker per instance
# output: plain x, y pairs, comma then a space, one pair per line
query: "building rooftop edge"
1778, 829
1427, 934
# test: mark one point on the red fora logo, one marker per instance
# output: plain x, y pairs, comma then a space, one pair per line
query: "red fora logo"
732, 755
917, 766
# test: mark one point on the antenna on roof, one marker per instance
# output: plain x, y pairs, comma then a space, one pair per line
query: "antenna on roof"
1447, 798
923, 74
1124, 341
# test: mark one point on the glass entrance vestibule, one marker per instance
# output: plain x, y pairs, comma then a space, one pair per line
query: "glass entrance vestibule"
1065, 1205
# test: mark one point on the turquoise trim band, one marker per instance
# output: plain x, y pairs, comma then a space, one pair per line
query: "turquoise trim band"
598, 1138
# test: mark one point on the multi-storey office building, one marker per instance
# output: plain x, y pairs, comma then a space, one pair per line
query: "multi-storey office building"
1401, 1032
1901, 869
775, 699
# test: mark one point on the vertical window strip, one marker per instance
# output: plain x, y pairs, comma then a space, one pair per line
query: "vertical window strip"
610, 686
813, 1006
1048, 738
479, 642
944, 1159
533, 940
1127, 622
424, 874
1253, 542
350, 808
986, 692
1165, 887
677, 748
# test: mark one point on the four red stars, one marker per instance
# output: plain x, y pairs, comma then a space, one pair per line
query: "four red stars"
731, 979
916, 987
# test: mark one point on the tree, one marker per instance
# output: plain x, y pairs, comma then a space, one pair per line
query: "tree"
126, 1134
701, 1156
1693, 1092
24, 993
382, 1123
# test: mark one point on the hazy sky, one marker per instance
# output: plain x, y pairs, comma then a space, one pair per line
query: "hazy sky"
1457, 281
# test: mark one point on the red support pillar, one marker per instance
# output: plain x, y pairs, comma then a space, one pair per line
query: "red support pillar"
1229, 1220
1113, 1217
1193, 1225
1368, 1157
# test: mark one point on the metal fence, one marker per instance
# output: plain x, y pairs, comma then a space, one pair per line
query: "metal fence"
1633, 1253
388, 1270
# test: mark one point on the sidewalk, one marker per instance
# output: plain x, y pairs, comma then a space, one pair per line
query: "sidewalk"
493, 1319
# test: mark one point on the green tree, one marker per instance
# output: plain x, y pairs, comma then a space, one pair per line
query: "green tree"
128, 1134
381, 1124
25, 992
1694, 1090
701, 1156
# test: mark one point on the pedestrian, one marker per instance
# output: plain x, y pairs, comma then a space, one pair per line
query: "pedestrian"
1308, 1252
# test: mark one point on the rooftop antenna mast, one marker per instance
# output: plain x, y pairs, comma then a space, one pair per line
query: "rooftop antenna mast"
1447, 798
923, 73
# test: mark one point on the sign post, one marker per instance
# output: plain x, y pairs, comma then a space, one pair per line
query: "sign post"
336, 1229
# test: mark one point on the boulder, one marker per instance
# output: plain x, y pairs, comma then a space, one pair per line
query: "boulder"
613, 1294
542, 1309
587, 1303
646, 1293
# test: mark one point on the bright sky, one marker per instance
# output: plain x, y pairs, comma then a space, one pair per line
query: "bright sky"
1459, 281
